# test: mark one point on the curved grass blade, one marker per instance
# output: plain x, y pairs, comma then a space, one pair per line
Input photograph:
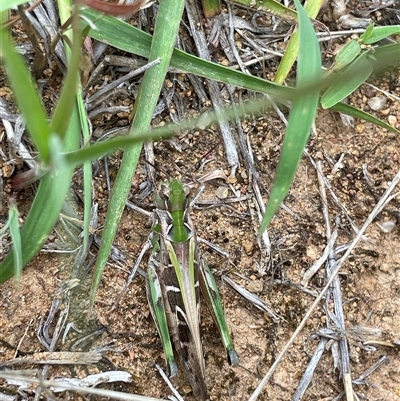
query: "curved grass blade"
12, 225
301, 117
53, 188
45, 209
312, 8
377, 33
351, 78
363, 115
123, 36
165, 33
26, 96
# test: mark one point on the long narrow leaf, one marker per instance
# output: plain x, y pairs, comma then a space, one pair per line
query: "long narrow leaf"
64, 7
351, 78
301, 117
63, 110
165, 33
26, 95
45, 208
363, 115
52, 190
312, 8
126, 37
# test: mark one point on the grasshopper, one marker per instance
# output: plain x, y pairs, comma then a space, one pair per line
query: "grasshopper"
176, 273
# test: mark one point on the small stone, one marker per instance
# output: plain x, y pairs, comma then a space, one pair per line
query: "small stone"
392, 121
255, 286
386, 226
231, 180
377, 103
312, 252
386, 268
7, 170
222, 192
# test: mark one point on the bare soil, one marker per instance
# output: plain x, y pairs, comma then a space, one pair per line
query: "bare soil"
369, 280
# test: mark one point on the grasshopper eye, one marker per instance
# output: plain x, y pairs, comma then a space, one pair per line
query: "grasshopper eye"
165, 190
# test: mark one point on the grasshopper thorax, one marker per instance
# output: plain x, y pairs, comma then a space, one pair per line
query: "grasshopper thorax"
174, 198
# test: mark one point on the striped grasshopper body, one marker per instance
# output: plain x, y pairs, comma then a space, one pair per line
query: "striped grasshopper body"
175, 276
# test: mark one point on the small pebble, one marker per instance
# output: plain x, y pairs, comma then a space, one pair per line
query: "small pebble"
392, 120
377, 103
255, 286
386, 226
222, 192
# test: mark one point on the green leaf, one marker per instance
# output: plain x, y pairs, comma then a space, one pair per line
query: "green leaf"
7, 4
128, 38
165, 32
26, 96
350, 79
13, 225
67, 100
53, 187
346, 55
367, 33
301, 117
378, 33
312, 8
357, 113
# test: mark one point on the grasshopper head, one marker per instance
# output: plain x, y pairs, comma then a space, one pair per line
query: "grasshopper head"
172, 196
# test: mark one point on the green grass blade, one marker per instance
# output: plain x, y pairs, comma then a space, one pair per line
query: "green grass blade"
26, 96
346, 55
51, 192
67, 101
13, 226
7, 4
386, 57
312, 8
123, 36
301, 117
351, 78
98, 150
165, 33
16, 239
378, 33
64, 7
357, 113
45, 208
87, 177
